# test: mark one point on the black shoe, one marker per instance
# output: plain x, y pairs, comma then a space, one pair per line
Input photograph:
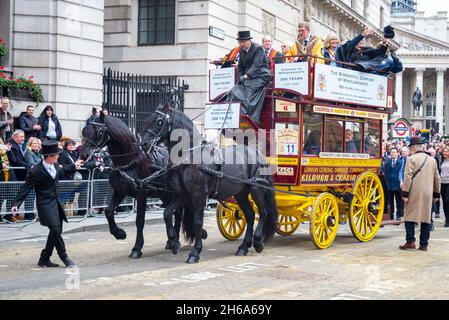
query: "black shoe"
68, 262
446, 225
47, 263
432, 227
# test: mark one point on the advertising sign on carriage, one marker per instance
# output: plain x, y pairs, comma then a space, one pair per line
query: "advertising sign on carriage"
293, 77
221, 81
222, 115
287, 142
343, 85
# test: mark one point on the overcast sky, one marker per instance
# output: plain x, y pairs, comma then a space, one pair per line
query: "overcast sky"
430, 7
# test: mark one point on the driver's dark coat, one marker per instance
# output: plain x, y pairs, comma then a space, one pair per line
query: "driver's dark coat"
49, 205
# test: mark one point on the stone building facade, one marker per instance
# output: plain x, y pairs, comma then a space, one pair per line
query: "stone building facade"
425, 55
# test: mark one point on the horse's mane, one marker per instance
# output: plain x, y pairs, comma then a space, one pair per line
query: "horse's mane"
182, 121
119, 131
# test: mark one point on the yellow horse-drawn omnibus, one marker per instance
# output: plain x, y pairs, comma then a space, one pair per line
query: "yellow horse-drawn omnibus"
327, 123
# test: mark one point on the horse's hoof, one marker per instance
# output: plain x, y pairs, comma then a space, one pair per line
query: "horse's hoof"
241, 252
119, 234
175, 247
135, 254
192, 260
258, 246
204, 235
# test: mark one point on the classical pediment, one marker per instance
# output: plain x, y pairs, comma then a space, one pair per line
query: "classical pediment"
412, 41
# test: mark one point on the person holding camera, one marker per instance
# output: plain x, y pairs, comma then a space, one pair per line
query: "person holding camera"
44, 179
99, 164
68, 157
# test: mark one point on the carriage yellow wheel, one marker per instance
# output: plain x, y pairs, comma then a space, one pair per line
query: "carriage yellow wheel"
287, 225
367, 206
231, 221
324, 221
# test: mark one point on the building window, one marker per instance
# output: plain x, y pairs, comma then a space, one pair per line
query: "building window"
156, 22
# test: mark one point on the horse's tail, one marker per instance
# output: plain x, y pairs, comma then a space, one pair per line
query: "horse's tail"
187, 224
269, 227
188, 227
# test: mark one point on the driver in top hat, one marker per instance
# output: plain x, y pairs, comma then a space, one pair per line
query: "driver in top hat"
44, 179
254, 75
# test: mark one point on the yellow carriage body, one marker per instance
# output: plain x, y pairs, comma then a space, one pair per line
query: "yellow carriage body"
335, 181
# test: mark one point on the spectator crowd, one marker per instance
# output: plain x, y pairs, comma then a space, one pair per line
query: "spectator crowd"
20, 146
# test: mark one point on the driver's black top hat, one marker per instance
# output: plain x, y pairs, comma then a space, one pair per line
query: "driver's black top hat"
49, 148
244, 35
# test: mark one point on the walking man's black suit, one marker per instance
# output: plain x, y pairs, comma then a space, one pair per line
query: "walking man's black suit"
49, 207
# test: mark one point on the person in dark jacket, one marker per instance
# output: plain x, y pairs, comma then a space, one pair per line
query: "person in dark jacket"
254, 75
375, 60
28, 123
17, 160
44, 179
391, 171
49, 122
17, 154
67, 158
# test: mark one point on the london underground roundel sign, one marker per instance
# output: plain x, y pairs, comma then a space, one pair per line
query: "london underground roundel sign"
401, 129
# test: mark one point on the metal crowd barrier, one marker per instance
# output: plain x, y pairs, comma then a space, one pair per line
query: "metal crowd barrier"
82, 199
101, 195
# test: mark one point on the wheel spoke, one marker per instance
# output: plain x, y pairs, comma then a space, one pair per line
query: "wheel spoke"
358, 213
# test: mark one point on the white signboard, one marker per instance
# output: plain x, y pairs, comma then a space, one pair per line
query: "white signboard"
216, 114
338, 84
292, 76
220, 81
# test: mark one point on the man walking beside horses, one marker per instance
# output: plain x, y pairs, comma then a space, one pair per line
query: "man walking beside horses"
421, 186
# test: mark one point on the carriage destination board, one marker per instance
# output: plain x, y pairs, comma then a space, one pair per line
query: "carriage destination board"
221, 81
293, 77
343, 85
318, 171
217, 113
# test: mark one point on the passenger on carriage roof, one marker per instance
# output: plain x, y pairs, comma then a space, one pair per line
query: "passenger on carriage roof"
307, 44
367, 58
273, 56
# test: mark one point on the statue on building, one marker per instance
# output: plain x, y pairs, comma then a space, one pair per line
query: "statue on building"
308, 10
417, 100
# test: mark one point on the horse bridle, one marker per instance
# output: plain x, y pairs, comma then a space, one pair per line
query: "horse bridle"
104, 138
163, 123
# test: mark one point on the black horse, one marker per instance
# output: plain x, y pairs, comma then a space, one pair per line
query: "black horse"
194, 183
130, 166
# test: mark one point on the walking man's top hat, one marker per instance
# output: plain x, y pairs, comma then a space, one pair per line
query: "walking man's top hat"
50, 147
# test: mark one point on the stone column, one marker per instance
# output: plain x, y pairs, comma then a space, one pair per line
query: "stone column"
420, 85
440, 98
398, 92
